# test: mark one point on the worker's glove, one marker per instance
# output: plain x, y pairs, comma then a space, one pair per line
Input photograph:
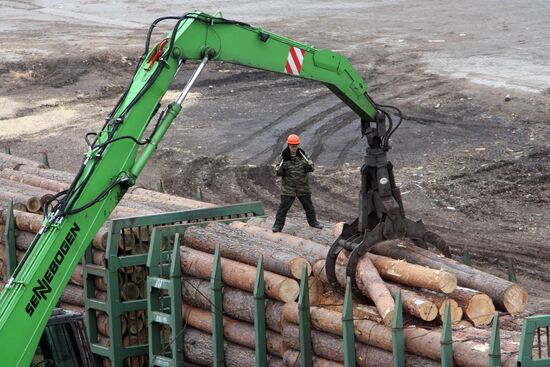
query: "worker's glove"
308, 168
279, 169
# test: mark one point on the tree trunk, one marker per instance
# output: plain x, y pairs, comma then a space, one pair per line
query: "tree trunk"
323, 236
506, 295
412, 305
149, 196
369, 281
33, 180
330, 347
413, 275
12, 161
310, 250
244, 248
238, 275
292, 358
234, 331
32, 203
197, 347
49, 173
334, 300
237, 304
438, 301
477, 306
418, 341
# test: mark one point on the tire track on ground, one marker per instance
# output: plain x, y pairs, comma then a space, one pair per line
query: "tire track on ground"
299, 129
321, 135
282, 118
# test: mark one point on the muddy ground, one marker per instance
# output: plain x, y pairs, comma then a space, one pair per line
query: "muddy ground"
472, 80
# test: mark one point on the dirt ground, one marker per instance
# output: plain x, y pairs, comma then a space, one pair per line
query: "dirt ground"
471, 78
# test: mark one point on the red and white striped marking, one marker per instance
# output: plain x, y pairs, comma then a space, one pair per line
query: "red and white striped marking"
294, 60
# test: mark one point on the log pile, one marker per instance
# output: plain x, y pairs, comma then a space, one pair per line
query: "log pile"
426, 281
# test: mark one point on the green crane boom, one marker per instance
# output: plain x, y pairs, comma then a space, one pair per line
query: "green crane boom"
112, 163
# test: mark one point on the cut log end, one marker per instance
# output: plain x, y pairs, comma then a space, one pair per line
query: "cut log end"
297, 266
515, 299
427, 311
447, 282
288, 290
480, 310
456, 311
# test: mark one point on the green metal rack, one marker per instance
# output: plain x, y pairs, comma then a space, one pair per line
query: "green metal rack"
126, 255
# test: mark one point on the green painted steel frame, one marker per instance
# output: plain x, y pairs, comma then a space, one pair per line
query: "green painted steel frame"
164, 276
348, 331
114, 307
304, 322
9, 240
531, 326
259, 315
397, 333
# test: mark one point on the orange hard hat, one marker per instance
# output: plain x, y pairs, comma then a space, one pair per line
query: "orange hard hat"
293, 139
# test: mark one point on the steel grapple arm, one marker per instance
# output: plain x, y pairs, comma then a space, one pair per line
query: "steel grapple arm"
121, 149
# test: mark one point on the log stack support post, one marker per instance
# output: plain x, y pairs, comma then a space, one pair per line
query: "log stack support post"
540, 326
259, 316
304, 322
217, 310
160, 186
45, 160
494, 344
511, 272
164, 310
447, 339
126, 254
348, 331
9, 238
466, 259
397, 334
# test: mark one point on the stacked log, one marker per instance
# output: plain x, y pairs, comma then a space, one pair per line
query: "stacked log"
425, 281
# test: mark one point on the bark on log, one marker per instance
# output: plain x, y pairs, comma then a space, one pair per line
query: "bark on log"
31, 222
308, 249
506, 295
73, 295
333, 300
330, 347
197, 348
323, 236
413, 275
438, 301
12, 161
477, 306
369, 280
34, 180
246, 249
103, 324
237, 304
238, 275
150, 196
414, 304
419, 341
31, 203
234, 331
292, 358
367, 283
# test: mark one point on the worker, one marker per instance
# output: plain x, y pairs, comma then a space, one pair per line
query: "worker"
293, 166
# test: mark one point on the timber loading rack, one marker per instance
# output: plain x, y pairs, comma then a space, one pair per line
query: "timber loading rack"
149, 247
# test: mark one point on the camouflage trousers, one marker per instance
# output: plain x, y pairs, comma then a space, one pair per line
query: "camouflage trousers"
286, 203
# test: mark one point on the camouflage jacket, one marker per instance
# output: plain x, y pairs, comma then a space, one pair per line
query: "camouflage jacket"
293, 171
